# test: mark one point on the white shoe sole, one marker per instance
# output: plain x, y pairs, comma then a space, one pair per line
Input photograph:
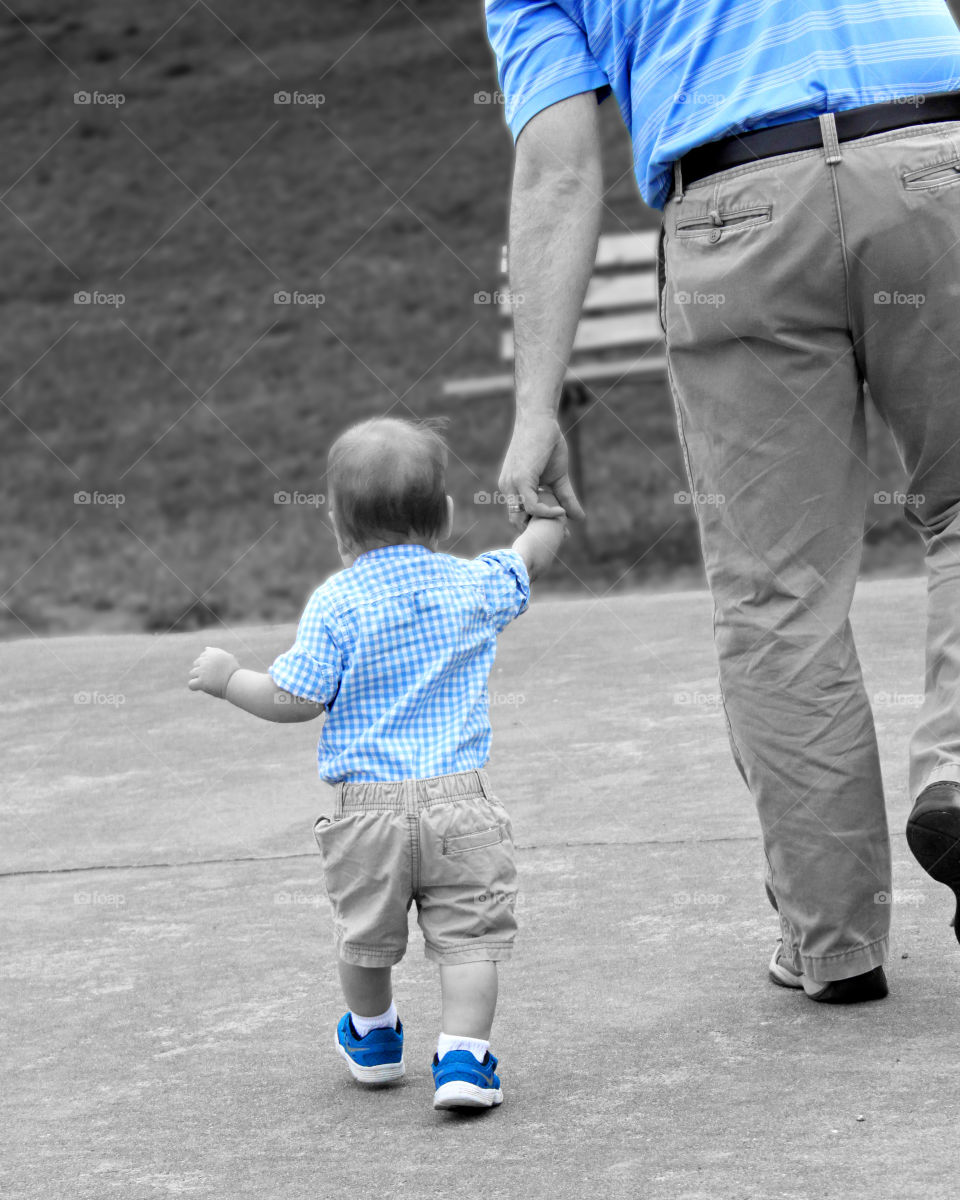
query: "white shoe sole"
460, 1094
781, 975
784, 977
385, 1073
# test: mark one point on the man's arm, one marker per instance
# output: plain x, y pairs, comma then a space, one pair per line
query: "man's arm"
554, 228
218, 673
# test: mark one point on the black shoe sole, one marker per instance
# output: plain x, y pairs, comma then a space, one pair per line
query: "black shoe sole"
933, 835
872, 985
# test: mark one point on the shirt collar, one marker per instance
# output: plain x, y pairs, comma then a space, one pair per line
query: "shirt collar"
403, 550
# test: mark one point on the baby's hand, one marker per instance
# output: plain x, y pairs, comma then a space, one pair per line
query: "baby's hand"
211, 671
546, 496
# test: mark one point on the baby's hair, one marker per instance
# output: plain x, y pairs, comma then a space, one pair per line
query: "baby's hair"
388, 478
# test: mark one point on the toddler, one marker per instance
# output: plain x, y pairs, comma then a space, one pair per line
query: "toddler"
394, 652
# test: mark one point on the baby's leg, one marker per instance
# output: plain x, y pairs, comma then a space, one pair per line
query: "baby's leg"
469, 993
367, 990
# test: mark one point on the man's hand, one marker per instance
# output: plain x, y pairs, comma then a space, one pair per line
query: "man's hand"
211, 671
537, 456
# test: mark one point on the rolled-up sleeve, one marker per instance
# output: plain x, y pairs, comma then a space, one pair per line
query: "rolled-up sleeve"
542, 57
313, 665
506, 585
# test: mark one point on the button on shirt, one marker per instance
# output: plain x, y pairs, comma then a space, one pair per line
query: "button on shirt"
399, 647
687, 72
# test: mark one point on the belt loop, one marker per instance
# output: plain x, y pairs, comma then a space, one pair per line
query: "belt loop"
831, 143
338, 803
678, 181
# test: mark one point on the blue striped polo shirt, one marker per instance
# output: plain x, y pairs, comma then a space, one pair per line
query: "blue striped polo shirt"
686, 72
399, 647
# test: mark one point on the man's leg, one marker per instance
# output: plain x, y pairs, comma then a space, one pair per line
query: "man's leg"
904, 291
770, 410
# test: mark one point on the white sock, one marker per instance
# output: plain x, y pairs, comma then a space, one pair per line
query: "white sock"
387, 1020
451, 1041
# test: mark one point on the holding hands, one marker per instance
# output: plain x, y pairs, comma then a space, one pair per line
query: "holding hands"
537, 458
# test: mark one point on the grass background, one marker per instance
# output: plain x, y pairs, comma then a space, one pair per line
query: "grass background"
199, 398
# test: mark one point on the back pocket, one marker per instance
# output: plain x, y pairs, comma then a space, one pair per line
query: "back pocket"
714, 224
933, 176
460, 843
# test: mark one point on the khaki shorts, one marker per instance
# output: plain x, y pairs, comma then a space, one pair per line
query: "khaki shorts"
445, 843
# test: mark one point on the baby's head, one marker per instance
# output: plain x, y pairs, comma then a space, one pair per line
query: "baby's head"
387, 483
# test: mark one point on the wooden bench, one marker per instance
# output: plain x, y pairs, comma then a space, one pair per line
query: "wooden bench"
618, 337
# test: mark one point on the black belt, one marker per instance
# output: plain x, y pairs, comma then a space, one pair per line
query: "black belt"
755, 144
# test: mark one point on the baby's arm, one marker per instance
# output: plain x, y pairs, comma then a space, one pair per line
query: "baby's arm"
540, 540
218, 673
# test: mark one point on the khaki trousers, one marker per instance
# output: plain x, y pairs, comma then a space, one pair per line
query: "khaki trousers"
784, 285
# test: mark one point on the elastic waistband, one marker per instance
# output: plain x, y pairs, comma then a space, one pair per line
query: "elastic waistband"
411, 795
791, 136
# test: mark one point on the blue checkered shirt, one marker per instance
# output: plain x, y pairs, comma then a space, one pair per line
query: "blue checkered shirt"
399, 647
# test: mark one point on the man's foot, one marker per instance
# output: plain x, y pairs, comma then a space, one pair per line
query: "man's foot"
376, 1058
462, 1082
933, 834
871, 985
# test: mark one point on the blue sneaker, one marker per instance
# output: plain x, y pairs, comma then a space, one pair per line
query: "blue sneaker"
462, 1082
376, 1058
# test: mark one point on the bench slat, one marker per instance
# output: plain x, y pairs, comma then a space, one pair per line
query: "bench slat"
616, 250
618, 368
603, 333
630, 290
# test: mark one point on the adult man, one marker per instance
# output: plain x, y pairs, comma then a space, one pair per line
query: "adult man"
807, 158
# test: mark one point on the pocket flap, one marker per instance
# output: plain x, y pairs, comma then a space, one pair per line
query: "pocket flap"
461, 842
